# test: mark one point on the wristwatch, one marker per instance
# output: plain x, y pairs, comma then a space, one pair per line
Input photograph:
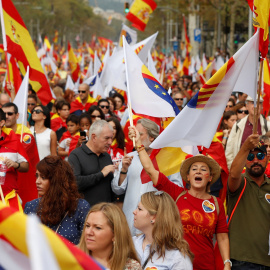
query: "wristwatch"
229, 261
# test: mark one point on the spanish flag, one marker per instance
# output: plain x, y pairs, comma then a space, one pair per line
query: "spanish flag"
139, 13
55, 38
74, 65
266, 86
20, 45
15, 238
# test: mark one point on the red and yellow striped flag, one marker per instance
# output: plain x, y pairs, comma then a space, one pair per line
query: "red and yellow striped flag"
139, 13
74, 65
20, 45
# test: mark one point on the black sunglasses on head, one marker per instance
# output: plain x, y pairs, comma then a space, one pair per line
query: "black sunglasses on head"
38, 111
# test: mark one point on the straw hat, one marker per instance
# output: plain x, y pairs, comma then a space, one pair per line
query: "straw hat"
212, 164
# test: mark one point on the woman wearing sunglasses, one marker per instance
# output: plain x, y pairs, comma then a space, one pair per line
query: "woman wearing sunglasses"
96, 113
46, 139
104, 105
241, 110
161, 246
202, 215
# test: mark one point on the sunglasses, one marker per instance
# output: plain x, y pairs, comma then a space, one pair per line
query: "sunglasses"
95, 116
178, 99
243, 111
79, 91
103, 106
37, 111
251, 156
31, 104
230, 106
10, 113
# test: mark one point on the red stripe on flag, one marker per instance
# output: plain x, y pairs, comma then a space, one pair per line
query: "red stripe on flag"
230, 63
6, 213
151, 3
146, 76
206, 93
206, 86
136, 22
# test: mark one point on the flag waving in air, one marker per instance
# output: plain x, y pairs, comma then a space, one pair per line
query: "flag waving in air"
145, 93
198, 121
20, 45
139, 13
74, 65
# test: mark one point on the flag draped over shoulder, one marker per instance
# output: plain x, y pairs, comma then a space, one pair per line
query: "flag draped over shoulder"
196, 124
13, 228
74, 65
145, 93
20, 45
139, 13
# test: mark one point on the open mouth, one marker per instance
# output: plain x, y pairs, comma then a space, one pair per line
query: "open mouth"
198, 178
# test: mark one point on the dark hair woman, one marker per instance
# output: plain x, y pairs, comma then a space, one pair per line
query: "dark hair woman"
46, 139
59, 206
96, 113
117, 147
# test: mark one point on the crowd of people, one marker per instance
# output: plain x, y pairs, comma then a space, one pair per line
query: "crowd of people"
88, 185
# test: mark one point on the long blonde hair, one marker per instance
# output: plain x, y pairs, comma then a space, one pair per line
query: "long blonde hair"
167, 230
123, 247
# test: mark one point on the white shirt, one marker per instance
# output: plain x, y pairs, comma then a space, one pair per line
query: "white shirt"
134, 188
173, 260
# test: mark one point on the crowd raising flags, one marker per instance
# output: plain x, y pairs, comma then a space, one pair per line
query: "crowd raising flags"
138, 75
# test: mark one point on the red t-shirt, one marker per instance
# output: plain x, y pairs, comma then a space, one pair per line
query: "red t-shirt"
200, 221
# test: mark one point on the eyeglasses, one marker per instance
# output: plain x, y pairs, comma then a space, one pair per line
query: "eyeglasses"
230, 106
79, 91
251, 156
37, 111
10, 113
243, 111
103, 106
31, 104
178, 99
95, 116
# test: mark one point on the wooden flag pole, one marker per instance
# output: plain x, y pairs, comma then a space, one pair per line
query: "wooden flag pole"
256, 109
131, 121
2, 195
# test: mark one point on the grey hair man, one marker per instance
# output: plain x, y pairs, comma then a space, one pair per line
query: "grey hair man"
128, 176
92, 164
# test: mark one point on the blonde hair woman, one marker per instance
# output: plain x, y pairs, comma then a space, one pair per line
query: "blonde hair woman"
162, 245
106, 237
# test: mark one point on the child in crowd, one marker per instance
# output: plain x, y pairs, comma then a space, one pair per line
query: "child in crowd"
70, 138
85, 122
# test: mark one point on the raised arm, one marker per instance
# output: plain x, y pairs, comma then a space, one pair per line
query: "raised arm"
144, 157
239, 162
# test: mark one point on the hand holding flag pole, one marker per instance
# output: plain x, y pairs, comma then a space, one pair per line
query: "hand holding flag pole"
4, 38
128, 92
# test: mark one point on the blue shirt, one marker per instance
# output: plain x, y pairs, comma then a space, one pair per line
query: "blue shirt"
173, 260
70, 227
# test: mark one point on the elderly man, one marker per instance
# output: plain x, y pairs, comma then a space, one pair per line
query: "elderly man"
242, 129
83, 102
250, 224
128, 177
27, 180
92, 164
178, 97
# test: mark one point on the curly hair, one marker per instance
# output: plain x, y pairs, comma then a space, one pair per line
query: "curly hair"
62, 195
123, 247
167, 230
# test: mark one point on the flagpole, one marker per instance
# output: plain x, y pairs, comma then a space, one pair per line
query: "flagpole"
256, 109
25, 102
2, 195
4, 38
128, 92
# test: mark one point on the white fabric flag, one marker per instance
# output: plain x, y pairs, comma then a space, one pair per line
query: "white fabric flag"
151, 66
198, 121
69, 84
40, 253
145, 93
21, 99
130, 35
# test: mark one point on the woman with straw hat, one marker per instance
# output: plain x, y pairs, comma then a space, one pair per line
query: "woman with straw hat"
202, 215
